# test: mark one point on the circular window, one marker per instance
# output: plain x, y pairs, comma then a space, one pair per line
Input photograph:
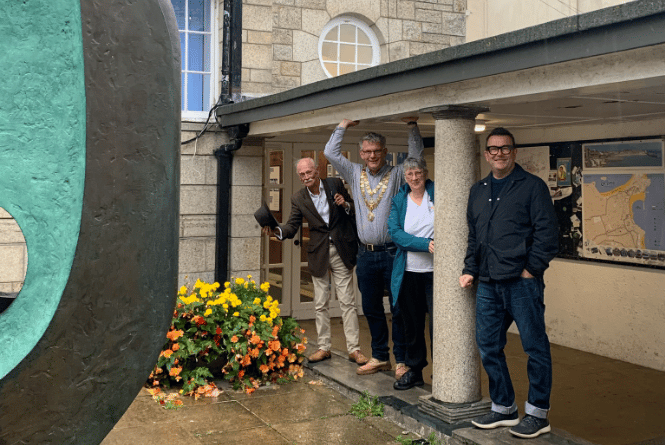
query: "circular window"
347, 45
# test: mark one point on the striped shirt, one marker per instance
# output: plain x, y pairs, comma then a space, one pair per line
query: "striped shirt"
376, 231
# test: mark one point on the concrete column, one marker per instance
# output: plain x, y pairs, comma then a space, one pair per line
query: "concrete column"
456, 394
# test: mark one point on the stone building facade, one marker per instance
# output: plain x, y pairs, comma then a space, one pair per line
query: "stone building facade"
280, 38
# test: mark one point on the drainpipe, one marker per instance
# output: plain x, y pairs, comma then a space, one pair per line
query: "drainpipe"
224, 155
231, 52
231, 77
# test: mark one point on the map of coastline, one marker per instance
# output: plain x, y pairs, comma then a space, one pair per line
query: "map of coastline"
624, 211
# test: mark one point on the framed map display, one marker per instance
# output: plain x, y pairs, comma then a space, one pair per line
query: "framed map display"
609, 197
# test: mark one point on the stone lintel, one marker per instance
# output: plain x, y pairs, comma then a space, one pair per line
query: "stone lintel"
454, 412
454, 111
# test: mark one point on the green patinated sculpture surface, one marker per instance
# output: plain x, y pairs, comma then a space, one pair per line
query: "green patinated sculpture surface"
42, 157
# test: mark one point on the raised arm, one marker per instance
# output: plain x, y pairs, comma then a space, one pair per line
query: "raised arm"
333, 150
416, 146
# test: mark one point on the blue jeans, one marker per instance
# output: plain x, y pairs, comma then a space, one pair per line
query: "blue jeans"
374, 270
499, 303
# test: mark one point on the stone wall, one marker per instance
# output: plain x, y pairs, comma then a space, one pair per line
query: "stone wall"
198, 207
280, 37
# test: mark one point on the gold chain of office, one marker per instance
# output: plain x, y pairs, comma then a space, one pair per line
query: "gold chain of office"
372, 203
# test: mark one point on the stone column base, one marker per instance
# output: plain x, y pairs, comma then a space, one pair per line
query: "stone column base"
454, 412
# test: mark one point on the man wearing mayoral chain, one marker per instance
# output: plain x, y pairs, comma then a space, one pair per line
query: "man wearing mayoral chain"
373, 185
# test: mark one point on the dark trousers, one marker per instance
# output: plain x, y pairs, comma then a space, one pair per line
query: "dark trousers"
499, 303
415, 301
374, 270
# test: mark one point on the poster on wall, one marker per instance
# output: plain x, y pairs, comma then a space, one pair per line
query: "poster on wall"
624, 202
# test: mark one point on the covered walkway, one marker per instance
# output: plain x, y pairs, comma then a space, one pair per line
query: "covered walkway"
600, 400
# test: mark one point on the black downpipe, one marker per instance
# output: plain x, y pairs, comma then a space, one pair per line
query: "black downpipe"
224, 155
231, 93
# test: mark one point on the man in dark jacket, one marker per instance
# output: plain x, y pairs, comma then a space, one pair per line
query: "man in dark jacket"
513, 236
332, 246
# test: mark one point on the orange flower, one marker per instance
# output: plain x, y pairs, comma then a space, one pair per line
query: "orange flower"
301, 347
281, 359
174, 335
234, 339
218, 330
264, 369
274, 345
285, 352
255, 340
252, 319
241, 374
254, 352
175, 371
199, 320
292, 358
250, 390
275, 330
167, 353
246, 360
175, 347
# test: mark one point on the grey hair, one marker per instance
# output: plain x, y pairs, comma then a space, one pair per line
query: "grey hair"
373, 138
414, 164
302, 159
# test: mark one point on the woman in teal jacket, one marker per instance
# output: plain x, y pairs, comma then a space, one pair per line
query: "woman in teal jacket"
411, 226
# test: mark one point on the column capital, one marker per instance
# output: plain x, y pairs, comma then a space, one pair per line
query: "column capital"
454, 111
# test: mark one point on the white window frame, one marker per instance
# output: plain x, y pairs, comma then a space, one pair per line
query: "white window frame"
359, 24
201, 116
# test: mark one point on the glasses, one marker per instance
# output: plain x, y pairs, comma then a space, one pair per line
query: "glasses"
372, 152
505, 149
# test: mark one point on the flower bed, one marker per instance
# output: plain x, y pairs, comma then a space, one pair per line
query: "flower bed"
237, 333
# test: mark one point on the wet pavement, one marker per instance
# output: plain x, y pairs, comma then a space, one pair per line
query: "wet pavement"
302, 412
594, 400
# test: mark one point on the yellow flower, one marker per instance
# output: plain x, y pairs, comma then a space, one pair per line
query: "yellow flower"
207, 312
249, 277
227, 285
265, 287
183, 290
262, 317
235, 314
257, 301
198, 284
239, 281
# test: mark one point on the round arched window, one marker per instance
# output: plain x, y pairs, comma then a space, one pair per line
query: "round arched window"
347, 45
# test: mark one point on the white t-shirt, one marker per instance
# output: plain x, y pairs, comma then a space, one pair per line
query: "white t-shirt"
419, 222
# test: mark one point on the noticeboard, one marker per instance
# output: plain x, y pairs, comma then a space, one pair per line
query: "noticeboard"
609, 197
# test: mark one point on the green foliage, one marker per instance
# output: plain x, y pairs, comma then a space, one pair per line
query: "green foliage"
367, 405
237, 333
431, 440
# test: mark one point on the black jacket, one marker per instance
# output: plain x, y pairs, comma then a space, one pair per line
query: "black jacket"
520, 231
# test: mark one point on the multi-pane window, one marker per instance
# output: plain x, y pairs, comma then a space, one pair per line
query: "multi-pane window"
196, 42
347, 45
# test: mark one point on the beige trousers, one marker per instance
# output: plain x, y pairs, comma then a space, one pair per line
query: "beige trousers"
342, 280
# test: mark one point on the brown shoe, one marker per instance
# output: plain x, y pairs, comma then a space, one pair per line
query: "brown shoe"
373, 366
358, 357
319, 355
400, 370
